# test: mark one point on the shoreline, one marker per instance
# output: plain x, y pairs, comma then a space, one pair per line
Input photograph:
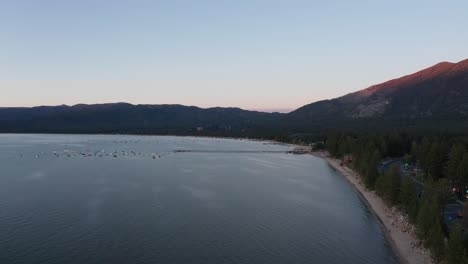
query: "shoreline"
404, 243
399, 234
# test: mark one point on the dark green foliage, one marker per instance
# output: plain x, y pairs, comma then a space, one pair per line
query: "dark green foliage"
408, 198
444, 163
456, 252
465, 215
371, 173
422, 154
332, 145
437, 157
425, 217
435, 161
462, 169
388, 185
429, 226
435, 241
442, 188
318, 146
455, 158
413, 210
339, 145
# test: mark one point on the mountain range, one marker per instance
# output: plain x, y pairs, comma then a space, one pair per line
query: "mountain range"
435, 98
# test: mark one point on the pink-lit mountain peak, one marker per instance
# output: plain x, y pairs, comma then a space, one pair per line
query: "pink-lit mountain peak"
436, 71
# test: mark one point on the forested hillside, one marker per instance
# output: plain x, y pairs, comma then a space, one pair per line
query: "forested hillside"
431, 100
427, 174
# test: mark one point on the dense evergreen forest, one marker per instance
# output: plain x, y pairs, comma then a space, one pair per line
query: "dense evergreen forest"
431, 171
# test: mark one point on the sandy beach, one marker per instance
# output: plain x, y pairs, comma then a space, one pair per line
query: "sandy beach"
399, 233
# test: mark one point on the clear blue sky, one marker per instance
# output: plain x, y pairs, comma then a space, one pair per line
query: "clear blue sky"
251, 54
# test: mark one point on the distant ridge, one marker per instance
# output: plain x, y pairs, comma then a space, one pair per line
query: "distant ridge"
433, 99
134, 119
436, 92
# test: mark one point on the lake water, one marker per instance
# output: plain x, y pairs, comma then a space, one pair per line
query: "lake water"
132, 199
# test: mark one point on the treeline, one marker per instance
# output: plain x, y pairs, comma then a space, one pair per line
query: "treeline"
443, 159
437, 157
440, 164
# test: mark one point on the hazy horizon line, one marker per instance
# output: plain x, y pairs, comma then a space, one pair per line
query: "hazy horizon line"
266, 110
260, 109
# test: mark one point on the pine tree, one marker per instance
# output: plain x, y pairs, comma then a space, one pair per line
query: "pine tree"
435, 241
436, 161
423, 154
455, 158
388, 185
429, 225
423, 220
462, 170
371, 172
394, 184
408, 195
465, 214
456, 253
429, 214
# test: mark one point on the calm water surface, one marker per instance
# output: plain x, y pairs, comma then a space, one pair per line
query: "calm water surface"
131, 199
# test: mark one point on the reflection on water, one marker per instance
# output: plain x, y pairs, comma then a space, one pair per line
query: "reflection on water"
132, 199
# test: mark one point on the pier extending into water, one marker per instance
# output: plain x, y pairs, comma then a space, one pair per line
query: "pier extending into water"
294, 151
228, 151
